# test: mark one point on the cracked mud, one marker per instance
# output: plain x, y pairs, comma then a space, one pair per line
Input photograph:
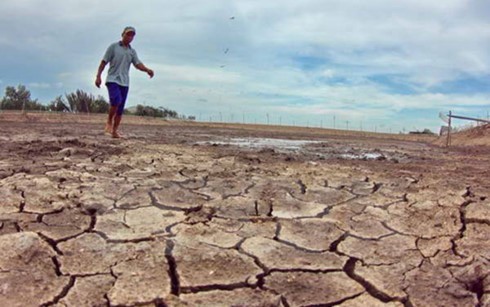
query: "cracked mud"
175, 216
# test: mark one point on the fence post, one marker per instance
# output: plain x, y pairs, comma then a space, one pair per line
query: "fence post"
448, 141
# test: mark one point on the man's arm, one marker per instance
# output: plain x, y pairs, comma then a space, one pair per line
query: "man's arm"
98, 79
142, 67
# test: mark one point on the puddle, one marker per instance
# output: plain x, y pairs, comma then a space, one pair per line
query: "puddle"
281, 144
364, 156
305, 147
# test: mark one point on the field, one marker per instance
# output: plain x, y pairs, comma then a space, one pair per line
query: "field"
200, 214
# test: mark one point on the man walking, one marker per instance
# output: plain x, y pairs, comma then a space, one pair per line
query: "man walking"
120, 56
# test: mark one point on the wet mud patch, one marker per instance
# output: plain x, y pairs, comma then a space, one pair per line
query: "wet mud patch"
59, 148
314, 150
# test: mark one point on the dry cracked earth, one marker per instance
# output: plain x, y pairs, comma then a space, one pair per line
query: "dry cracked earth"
169, 216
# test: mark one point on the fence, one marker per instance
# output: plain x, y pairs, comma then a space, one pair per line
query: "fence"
450, 116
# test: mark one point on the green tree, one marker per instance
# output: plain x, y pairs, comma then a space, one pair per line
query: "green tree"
19, 99
169, 113
140, 110
79, 102
155, 112
99, 105
58, 105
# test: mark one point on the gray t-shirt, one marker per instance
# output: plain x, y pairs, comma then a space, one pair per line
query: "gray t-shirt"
120, 59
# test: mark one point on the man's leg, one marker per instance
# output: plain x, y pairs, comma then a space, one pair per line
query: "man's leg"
112, 113
123, 90
114, 99
117, 121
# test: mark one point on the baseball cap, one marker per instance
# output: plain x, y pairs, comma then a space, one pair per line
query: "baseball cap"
129, 29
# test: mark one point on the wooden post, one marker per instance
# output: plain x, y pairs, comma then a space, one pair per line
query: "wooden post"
448, 141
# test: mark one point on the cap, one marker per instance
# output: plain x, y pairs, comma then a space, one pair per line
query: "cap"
129, 29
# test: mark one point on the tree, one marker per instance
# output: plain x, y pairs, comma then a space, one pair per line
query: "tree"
79, 102
99, 105
155, 112
168, 113
58, 105
427, 131
19, 99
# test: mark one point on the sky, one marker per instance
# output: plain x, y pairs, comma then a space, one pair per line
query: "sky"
377, 65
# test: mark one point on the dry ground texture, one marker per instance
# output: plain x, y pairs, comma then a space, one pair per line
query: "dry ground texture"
189, 214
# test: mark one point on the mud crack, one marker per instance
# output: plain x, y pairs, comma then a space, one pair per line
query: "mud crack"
63, 293
349, 269
172, 268
205, 288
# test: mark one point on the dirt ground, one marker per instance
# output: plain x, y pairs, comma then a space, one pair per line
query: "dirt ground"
189, 214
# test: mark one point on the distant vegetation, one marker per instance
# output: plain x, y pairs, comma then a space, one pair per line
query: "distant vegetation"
79, 102
19, 98
155, 112
425, 131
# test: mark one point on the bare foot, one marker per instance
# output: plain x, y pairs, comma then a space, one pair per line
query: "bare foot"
116, 135
108, 129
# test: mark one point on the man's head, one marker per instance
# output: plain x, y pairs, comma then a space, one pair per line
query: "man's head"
128, 35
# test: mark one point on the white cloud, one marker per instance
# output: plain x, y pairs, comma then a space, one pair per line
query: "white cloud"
188, 73
39, 85
419, 44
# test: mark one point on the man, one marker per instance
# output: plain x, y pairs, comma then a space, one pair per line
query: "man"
120, 56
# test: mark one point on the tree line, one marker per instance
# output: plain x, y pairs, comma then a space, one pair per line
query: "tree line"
19, 98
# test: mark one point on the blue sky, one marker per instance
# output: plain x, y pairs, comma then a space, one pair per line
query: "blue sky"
389, 65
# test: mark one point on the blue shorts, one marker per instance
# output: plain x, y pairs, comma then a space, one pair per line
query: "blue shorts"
117, 96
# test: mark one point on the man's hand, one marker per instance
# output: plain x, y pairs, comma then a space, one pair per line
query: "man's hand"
98, 81
142, 67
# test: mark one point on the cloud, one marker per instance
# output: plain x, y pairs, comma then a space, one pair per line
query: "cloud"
41, 85
296, 59
196, 74
406, 37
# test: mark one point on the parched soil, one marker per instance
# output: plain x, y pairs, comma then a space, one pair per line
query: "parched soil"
189, 214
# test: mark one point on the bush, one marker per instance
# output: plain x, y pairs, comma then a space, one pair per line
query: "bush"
79, 102
19, 99
155, 112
